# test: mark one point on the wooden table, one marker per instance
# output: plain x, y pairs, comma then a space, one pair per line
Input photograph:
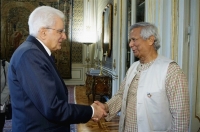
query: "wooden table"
98, 85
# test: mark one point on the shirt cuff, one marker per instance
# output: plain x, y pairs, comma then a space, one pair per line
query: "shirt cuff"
92, 111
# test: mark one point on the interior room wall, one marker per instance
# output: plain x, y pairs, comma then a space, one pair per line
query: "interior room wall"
79, 66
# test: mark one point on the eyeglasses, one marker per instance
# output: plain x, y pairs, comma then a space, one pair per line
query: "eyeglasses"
60, 31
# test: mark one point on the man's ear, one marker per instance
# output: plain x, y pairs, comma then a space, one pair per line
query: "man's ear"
42, 33
151, 40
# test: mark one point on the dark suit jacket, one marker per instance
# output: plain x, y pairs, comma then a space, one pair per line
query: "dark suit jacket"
39, 96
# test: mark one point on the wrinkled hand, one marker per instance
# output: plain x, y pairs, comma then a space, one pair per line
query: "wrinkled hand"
98, 112
103, 106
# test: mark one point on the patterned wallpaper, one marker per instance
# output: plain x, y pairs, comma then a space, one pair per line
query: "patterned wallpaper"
77, 31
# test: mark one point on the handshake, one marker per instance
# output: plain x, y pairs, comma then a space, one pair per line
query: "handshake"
100, 110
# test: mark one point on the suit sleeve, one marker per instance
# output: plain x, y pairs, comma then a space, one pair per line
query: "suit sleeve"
43, 86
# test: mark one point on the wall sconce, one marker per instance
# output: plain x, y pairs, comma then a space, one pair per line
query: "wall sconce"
101, 62
96, 54
101, 73
95, 63
87, 59
105, 55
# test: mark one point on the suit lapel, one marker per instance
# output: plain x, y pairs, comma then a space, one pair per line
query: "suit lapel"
39, 45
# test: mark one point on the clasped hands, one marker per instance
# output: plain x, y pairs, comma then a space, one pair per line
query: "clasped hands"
100, 110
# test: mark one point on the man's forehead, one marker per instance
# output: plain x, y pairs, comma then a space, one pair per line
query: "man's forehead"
135, 31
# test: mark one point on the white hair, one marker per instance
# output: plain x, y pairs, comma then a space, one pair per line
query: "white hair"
43, 17
147, 30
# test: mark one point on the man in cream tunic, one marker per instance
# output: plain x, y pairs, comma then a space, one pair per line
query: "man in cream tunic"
154, 94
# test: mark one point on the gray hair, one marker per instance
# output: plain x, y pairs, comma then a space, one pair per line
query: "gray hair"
147, 30
42, 17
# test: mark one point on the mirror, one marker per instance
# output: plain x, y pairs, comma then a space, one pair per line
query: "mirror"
107, 30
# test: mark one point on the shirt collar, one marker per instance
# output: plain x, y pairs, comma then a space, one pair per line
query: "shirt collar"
45, 47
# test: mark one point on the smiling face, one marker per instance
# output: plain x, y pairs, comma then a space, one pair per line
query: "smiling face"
53, 36
140, 47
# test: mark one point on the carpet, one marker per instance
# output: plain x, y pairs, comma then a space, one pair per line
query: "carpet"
71, 99
90, 126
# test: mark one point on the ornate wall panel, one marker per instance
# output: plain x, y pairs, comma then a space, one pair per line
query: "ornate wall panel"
14, 29
77, 31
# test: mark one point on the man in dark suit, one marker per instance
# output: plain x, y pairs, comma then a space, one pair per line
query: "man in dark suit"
39, 96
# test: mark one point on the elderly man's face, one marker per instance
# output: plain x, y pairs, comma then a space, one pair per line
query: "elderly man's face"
55, 35
139, 46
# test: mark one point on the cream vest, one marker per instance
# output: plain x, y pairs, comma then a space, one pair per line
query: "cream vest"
153, 113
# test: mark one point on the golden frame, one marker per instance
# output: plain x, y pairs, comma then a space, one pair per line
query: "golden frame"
107, 17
